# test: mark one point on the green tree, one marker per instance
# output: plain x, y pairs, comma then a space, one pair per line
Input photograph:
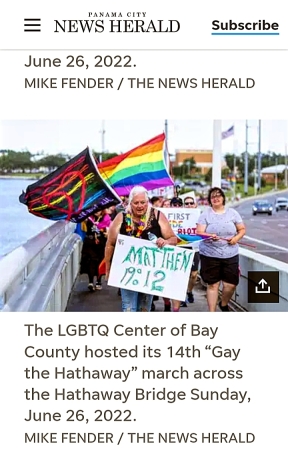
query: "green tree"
208, 176
15, 161
177, 172
189, 164
105, 156
52, 162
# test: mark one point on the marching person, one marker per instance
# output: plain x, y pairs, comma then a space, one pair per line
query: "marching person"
175, 202
166, 203
156, 202
140, 219
189, 202
95, 228
219, 256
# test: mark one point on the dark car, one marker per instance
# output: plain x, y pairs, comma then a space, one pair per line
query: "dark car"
262, 206
281, 203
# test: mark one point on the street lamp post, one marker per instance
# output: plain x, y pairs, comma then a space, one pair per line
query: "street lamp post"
276, 174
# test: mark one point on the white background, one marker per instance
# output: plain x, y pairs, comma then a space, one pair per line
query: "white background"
261, 337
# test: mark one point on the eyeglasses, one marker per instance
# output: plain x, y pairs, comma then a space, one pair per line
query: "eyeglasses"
216, 195
189, 203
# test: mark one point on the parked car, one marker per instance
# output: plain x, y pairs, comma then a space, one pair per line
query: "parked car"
225, 185
198, 186
281, 203
262, 206
179, 183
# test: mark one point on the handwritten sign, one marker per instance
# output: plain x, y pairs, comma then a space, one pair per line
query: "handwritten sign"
182, 220
139, 265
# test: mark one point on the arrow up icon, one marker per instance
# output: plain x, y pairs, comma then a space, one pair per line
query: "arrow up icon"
262, 283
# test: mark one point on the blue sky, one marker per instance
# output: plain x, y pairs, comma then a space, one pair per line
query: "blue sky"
72, 136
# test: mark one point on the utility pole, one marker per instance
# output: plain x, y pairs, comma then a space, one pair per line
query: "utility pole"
217, 153
235, 149
259, 156
246, 160
286, 178
255, 174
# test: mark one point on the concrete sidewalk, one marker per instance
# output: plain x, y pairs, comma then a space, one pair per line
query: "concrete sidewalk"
108, 300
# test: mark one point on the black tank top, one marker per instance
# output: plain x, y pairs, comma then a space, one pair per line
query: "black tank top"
152, 225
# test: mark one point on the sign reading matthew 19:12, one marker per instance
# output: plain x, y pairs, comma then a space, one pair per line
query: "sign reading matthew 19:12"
139, 265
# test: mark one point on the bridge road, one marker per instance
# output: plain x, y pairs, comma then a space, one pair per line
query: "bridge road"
271, 229
108, 299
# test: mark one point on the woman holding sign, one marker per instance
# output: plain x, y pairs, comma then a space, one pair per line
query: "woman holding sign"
139, 220
219, 256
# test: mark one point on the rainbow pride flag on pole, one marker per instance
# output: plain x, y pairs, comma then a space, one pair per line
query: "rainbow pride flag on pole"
142, 166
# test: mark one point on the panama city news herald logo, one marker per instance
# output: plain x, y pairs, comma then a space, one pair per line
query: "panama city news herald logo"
131, 24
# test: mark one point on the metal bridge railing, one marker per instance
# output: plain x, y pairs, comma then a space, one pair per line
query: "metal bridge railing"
39, 275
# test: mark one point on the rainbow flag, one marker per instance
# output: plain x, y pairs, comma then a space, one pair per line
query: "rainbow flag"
191, 240
143, 165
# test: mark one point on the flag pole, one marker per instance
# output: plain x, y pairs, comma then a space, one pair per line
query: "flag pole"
166, 153
166, 135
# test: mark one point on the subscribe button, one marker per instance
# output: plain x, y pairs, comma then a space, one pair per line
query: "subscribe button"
231, 27
263, 287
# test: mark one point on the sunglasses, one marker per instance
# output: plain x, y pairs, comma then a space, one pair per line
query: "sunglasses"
188, 203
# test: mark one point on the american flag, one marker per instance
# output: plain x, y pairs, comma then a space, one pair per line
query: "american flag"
228, 133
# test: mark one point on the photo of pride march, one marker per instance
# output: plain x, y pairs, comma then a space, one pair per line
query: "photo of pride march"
143, 216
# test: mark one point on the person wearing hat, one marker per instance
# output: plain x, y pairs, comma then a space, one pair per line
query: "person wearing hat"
176, 202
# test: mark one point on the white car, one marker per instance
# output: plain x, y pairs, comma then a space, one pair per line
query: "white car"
281, 203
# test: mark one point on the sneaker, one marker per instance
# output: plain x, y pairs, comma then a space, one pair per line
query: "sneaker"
98, 287
190, 297
183, 305
167, 307
223, 308
91, 287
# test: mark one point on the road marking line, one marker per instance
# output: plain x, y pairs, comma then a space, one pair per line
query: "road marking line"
267, 244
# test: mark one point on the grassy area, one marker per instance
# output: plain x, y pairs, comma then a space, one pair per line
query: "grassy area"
240, 190
251, 191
